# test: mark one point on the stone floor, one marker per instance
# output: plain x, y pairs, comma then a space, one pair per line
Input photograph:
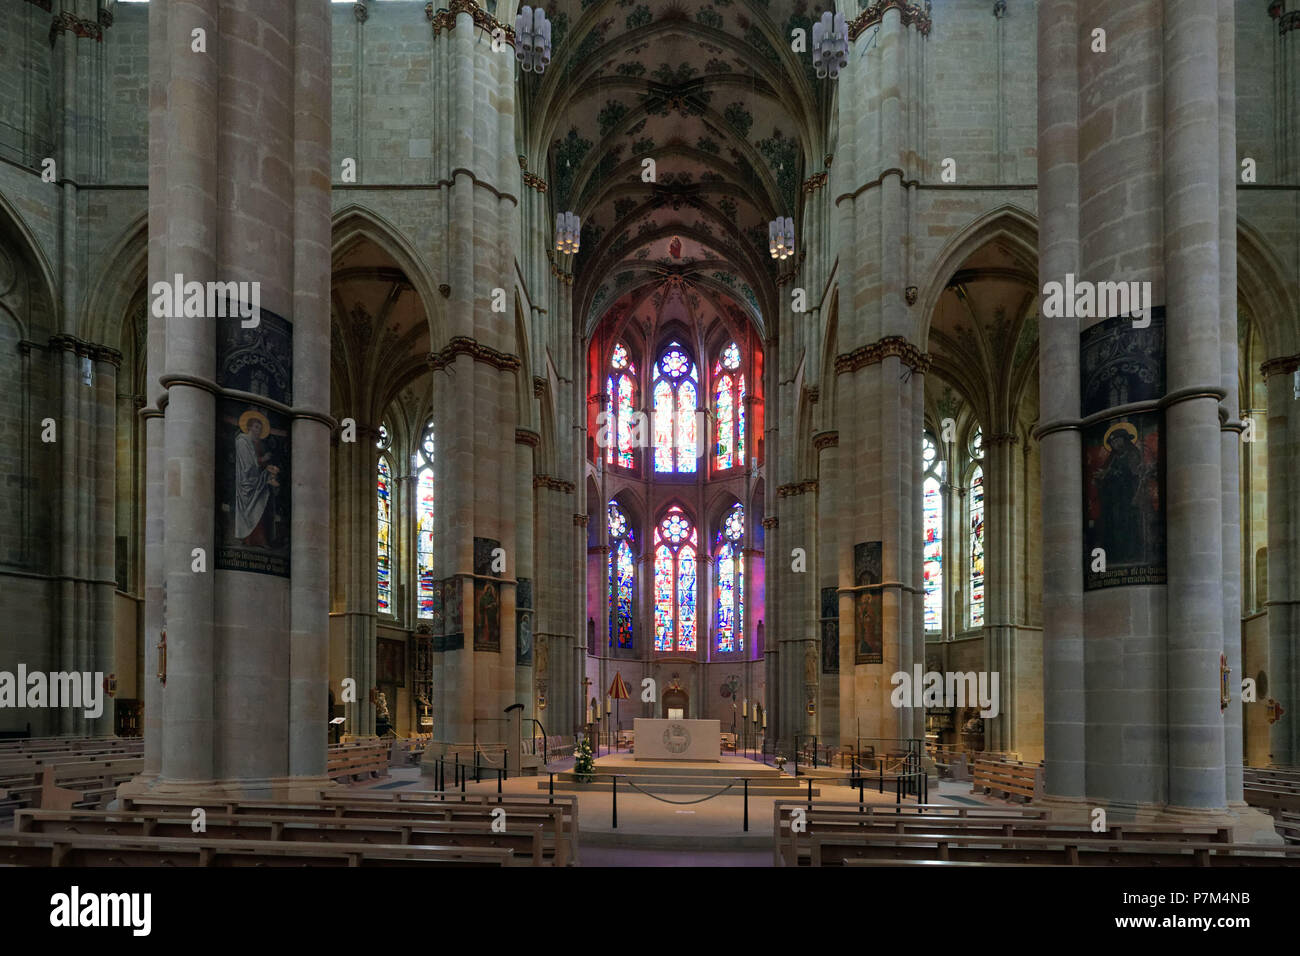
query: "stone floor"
702, 832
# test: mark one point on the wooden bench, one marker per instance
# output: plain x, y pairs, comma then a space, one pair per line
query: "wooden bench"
568, 804
788, 847
834, 849
92, 781
1007, 777
1272, 797
78, 849
1287, 825
358, 761
524, 840
557, 842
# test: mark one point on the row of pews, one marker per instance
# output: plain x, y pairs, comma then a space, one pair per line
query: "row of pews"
65, 772
339, 828
850, 834
1277, 790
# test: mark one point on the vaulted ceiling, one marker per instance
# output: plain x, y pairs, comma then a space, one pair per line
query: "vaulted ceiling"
733, 120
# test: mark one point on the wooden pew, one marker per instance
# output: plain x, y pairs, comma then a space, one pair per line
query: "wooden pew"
1287, 825
524, 840
359, 760
78, 849
567, 802
833, 849
93, 780
1273, 797
788, 847
556, 840
1008, 777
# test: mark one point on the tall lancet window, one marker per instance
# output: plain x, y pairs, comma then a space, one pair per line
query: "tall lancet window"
730, 568
729, 410
622, 571
976, 499
932, 529
423, 461
620, 408
675, 397
384, 543
675, 545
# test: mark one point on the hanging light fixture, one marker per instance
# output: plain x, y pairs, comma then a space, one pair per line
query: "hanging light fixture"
532, 39
568, 232
830, 45
780, 237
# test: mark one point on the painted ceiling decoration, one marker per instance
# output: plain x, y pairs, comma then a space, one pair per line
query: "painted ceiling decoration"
732, 118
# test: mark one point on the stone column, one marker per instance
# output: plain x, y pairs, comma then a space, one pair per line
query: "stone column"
1194, 486
1058, 433
1283, 559
243, 191
357, 469
475, 390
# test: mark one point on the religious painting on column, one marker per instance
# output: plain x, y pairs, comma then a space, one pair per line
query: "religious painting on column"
1123, 502
1123, 468
830, 631
868, 623
252, 484
524, 622
487, 616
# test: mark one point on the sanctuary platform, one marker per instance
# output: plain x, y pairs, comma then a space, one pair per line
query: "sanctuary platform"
685, 777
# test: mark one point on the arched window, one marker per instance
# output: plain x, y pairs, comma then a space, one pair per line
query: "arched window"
729, 410
675, 398
384, 545
622, 571
977, 545
675, 556
730, 568
424, 522
932, 528
620, 408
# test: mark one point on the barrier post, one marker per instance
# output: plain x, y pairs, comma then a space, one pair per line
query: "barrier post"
746, 804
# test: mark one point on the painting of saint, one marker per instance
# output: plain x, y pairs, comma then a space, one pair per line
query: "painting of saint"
487, 616
1123, 502
256, 479
524, 638
868, 624
252, 485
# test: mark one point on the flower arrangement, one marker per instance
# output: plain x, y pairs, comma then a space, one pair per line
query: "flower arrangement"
584, 766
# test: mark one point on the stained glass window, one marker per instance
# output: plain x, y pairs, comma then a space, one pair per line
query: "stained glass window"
932, 528
620, 409
977, 548
729, 410
675, 543
384, 547
424, 522
675, 393
730, 566
622, 569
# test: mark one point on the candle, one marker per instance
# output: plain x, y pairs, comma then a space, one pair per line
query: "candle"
765, 721
744, 708
609, 703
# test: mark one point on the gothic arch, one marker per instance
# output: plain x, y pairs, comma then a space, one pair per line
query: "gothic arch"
1260, 284
354, 221
1007, 223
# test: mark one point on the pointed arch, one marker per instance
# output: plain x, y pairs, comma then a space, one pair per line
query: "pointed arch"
355, 222
1008, 223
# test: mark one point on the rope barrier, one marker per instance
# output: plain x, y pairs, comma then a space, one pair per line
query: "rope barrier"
681, 802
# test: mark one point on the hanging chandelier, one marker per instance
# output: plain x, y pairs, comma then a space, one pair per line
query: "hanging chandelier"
568, 232
780, 237
830, 45
532, 39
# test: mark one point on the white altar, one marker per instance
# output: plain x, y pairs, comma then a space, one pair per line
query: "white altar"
677, 739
